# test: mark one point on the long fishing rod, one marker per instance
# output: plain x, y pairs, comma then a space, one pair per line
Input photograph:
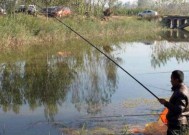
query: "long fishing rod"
91, 44
152, 86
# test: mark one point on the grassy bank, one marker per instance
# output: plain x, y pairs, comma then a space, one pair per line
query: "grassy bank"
187, 28
24, 30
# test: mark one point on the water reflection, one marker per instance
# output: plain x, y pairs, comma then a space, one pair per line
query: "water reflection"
95, 83
164, 51
175, 35
84, 80
88, 77
47, 81
34, 83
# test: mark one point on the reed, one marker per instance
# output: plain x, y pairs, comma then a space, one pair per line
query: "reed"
23, 29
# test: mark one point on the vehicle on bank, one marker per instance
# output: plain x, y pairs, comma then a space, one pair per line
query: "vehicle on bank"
30, 9
56, 11
148, 13
21, 8
48, 11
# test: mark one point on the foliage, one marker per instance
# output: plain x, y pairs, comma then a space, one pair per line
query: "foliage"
127, 12
25, 29
96, 7
164, 7
78, 6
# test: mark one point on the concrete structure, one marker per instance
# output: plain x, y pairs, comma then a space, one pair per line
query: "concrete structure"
179, 22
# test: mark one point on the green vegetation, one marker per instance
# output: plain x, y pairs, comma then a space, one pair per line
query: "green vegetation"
128, 12
96, 131
26, 30
187, 28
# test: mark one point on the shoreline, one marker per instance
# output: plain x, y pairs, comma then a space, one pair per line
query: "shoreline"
28, 30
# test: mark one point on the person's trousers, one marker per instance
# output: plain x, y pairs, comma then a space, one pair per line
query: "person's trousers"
180, 130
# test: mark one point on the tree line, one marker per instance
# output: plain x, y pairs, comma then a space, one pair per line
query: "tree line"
96, 7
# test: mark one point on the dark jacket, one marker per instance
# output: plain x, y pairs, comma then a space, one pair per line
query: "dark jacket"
178, 106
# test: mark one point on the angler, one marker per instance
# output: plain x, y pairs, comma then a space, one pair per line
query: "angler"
178, 106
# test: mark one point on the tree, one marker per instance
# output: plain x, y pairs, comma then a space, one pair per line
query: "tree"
145, 3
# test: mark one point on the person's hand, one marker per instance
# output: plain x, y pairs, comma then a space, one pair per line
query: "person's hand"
162, 101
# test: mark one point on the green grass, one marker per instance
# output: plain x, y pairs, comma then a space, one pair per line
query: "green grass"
187, 28
24, 30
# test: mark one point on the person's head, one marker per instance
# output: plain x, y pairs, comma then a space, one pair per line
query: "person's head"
177, 77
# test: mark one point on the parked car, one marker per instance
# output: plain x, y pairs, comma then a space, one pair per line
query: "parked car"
61, 11
57, 11
148, 13
21, 8
48, 11
32, 9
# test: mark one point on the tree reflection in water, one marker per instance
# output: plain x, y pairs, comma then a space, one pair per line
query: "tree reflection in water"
163, 51
174, 44
36, 83
90, 78
95, 83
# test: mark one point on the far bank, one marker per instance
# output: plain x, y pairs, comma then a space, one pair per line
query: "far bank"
27, 30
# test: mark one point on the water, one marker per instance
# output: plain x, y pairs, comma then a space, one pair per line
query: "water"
52, 89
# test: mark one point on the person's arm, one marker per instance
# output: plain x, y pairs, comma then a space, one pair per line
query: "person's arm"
178, 107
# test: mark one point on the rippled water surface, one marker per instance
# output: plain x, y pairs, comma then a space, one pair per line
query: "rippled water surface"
52, 88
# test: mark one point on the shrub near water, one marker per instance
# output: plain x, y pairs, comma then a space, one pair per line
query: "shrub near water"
129, 12
23, 29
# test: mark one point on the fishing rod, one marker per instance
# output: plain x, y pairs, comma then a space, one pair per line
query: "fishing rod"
91, 44
152, 86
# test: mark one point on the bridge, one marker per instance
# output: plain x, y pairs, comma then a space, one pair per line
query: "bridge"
178, 22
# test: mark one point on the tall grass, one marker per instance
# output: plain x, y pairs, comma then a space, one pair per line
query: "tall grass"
128, 12
23, 29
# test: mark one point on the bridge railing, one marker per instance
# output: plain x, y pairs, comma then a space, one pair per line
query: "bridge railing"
179, 22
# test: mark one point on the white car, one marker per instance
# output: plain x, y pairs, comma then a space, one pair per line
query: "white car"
148, 13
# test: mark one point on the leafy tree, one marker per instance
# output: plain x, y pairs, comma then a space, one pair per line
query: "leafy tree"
145, 3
